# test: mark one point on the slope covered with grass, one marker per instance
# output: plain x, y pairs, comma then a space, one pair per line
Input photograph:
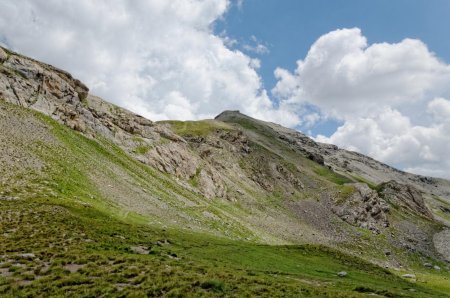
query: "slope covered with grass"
66, 248
79, 217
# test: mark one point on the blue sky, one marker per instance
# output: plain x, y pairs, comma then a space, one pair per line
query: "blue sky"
288, 28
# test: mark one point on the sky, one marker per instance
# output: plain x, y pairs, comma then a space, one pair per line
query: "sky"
368, 76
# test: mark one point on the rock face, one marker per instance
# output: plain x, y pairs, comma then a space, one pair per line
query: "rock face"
53, 92
364, 208
441, 242
406, 196
3, 56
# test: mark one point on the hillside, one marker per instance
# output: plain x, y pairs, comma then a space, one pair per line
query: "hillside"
97, 200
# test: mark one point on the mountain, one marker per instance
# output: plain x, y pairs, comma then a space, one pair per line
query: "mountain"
96, 200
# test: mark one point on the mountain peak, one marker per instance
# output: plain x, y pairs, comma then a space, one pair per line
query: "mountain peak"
228, 113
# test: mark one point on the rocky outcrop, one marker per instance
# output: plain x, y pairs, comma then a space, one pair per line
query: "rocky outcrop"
174, 158
364, 208
441, 242
3, 55
405, 197
53, 92
28, 83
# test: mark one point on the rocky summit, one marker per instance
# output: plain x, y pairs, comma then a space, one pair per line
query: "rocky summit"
98, 201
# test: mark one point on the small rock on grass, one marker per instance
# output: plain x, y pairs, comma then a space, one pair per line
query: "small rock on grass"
342, 274
27, 255
408, 276
142, 250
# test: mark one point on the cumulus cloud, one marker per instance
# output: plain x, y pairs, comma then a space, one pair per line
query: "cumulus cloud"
162, 60
158, 58
390, 97
344, 76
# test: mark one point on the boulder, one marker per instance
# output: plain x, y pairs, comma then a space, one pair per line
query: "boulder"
316, 157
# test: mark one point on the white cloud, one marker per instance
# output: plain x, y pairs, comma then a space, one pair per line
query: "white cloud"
440, 109
344, 76
391, 137
158, 58
256, 46
390, 97
161, 59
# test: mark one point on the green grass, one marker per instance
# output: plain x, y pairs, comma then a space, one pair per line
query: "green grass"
331, 176
197, 128
64, 234
345, 192
194, 181
378, 188
142, 149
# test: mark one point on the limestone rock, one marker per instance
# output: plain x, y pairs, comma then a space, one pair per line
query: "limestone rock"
364, 208
405, 196
3, 55
411, 276
441, 242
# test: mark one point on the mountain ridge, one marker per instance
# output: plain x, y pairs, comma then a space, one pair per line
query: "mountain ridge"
233, 176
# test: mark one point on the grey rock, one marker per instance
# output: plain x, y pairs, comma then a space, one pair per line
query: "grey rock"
364, 208
316, 157
441, 242
436, 267
409, 276
406, 196
27, 255
3, 55
428, 265
342, 274
142, 250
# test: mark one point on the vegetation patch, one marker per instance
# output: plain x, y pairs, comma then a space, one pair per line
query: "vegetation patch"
345, 192
197, 128
142, 149
331, 176
195, 180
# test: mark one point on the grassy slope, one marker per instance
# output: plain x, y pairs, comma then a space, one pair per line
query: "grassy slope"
68, 236
82, 244
196, 128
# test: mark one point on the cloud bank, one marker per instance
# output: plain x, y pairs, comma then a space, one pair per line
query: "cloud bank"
162, 60
158, 58
392, 98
